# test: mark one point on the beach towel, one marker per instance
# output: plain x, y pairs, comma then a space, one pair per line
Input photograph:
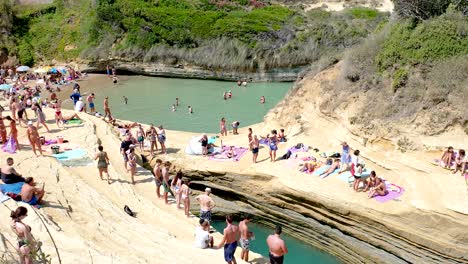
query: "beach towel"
394, 192
263, 141
3, 197
63, 147
301, 149
320, 170
10, 146
11, 188
73, 121
332, 154
239, 152
348, 178
70, 154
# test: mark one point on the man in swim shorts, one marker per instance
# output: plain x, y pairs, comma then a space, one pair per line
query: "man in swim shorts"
158, 176
254, 145
30, 194
229, 241
245, 237
165, 182
206, 204
90, 100
277, 247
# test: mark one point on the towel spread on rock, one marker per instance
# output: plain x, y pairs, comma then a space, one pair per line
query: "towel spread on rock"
70, 154
12, 188
393, 192
238, 153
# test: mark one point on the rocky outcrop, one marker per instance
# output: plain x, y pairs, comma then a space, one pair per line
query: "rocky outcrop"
193, 71
354, 237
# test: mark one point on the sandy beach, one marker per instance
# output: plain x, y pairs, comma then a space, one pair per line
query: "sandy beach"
87, 224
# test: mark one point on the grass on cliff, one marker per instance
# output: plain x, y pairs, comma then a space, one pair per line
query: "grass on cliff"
414, 72
238, 35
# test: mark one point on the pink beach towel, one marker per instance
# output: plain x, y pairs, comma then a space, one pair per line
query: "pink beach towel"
10, 146
394, 192
239, 152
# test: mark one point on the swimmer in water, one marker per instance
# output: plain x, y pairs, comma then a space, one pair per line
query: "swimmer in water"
177, 101
262, 99
190, 110
125, 99
114, 79
229, 94
173, 108
225, 96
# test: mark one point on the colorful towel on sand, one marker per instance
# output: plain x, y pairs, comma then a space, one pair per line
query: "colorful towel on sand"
10, 146
301, 149
63, 147
348, 178
238, 153
73, 122
437, 162
394, 192
11, 188
70, 154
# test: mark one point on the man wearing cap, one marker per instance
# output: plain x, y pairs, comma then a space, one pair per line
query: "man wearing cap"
33, 137
206, 204
75, 96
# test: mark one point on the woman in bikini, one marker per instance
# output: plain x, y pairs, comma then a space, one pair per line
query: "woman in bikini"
273, 144
57, 105
41, 119
152, 134
175, 187
460, 162
103, 162
26, 242
371, 181
13, 131
162, 139
3, 133
141, 137
185, 192
132, 163
222, 127
378, 189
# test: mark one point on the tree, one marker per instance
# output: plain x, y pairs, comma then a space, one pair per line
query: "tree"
421, 9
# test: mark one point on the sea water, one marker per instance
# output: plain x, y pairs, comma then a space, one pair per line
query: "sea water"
150, 100
299, 252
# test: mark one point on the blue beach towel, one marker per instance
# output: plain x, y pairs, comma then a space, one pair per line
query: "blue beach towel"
322, 169
346, 176
11, 188
70, 154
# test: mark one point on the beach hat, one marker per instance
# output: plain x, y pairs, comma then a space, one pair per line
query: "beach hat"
208, 189
30, 123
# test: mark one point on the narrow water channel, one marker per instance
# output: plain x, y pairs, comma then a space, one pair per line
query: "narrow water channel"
299, 252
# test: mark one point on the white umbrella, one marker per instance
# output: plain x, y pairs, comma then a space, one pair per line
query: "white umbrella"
40, 70
23, 69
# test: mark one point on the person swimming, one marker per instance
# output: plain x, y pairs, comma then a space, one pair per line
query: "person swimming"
262, 99
229, 94
190, 110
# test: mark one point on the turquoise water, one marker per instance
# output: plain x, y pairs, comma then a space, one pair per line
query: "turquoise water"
150, 100
299, 252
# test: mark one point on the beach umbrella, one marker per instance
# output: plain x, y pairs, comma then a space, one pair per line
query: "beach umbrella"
40, 70
23, 69
5, 86
53, 70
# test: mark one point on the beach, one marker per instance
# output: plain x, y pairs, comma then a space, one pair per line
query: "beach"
87, 224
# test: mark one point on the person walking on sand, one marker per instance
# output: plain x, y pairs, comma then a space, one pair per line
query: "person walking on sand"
107, 111
30, 194
229, 241
152, 134
245, 237
13, 132
162, 139
33, 137
158, 179
21, 112
254, 145
90, 100
277, 246
26, 241
222, 127
206, 204
176, 183
165, 183
57, 105
185, 196
103, 162
132, 163
141, 137
41, 119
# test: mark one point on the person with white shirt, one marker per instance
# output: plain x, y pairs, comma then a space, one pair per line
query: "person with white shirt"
202, 235
80, 106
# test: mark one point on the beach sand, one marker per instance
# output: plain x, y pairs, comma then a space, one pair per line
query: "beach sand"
85, 215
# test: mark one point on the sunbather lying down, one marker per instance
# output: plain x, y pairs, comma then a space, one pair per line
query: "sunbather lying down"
308, 167
335, 165
74, 116
226, 154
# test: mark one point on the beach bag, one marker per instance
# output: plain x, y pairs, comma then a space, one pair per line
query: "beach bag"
287, 155
299, 146
10, 146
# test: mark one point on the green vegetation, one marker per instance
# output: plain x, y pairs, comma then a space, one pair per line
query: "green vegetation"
237, 34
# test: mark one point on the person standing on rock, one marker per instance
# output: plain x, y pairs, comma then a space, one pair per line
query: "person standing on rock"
90, 100
157, 171
276, 246
254, 145
103, 162
107, 111
245, 237
165, 183
229, 241
33, 137
206, 204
